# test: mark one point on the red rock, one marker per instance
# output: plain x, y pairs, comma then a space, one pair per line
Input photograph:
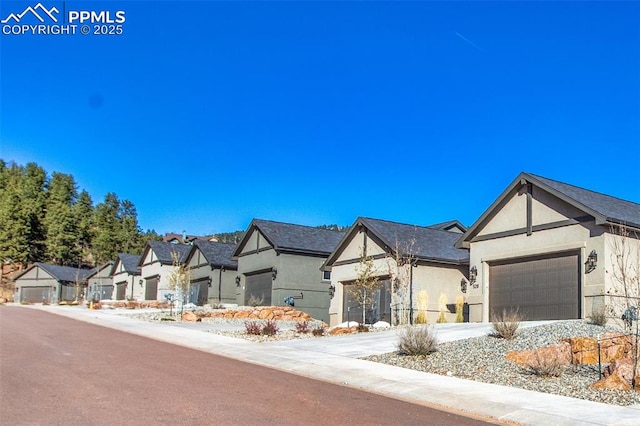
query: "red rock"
613, 382
560, 353
584, 350
189, 317
241, 314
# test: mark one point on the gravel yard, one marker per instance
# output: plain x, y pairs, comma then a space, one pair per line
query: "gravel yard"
480, 359
483, 359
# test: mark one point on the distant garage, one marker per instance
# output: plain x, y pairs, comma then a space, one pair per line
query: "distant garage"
37, 294
541, 287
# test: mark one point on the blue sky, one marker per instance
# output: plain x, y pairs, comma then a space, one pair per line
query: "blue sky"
207, 114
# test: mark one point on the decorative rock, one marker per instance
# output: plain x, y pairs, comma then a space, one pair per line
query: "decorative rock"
584, 350
241, 314
338, 331
560, 353
190, 317
622, 368
613, 382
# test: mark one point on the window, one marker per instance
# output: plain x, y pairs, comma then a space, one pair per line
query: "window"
326, 275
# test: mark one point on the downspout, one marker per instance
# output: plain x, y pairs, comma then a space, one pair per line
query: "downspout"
132, 284
220, 285
411, 293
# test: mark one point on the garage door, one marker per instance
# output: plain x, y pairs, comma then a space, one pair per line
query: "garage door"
378, 310
258, 286
151, 290
36, 294
542, 288
120, 290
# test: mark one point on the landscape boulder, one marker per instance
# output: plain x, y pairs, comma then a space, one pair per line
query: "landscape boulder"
190, 317
557, 354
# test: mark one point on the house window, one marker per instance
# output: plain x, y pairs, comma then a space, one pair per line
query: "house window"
326, 275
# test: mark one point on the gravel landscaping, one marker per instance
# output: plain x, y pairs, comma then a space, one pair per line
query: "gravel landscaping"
480, 359
483, 359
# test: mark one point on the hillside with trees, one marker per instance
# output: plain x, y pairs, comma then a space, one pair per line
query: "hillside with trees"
46, 218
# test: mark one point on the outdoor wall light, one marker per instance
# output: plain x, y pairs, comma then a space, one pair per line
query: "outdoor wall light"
463, 285
238, 280
274, 273
332, 291
473, 274
209, 282
141, 281
592, 261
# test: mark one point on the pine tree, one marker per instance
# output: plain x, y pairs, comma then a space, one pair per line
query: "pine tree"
107, 238
60, 222
14, 221
83, 213
32, 199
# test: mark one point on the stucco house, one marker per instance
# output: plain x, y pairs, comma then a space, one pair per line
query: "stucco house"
100, 283
126, 277
156, 265
547, 248
51, 283
281, 260
212, 272
410, 261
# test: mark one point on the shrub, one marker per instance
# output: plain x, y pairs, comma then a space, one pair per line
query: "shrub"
303, 327
318, 331
361, 328
417, 341
460, 308
545, 367
255, 301
24, 302
505, 325
442, 307
253, 328
270, 328
423, 304
598, 316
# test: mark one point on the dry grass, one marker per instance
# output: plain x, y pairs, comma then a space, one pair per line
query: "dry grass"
505, 325
417, 341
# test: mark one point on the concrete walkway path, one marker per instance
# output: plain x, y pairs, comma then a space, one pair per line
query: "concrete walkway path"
335, 360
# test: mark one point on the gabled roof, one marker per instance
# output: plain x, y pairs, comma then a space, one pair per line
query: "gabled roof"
605, 209
171, 237
109, 266
448, 226
217, 254
60, 273
424, 243
130, 263
163, 251
287, 237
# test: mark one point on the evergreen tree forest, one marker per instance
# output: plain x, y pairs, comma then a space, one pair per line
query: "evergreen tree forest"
46, 218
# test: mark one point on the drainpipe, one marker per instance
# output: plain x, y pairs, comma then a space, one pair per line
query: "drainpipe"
411, 293
220, 285
133, 278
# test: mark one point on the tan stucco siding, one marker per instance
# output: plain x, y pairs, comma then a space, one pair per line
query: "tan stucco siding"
546, 208
512, 216
621, 264
437, 280
580, 238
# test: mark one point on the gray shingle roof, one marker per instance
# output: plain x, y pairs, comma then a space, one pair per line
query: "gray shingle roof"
295, 238
163, 251
425, 243
130, 262
611, 208
217, 254
445, 226
65, 273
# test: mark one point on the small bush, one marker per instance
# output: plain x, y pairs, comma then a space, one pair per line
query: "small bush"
361, 328
598, 317
506, 324
303, 327
270, 328
318, 331
255, 301
423, 305
417, 341
24, 302
253, 328
442, 307
460, 308
545, 367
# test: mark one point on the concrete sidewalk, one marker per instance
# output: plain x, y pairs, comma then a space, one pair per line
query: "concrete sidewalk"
335, 360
